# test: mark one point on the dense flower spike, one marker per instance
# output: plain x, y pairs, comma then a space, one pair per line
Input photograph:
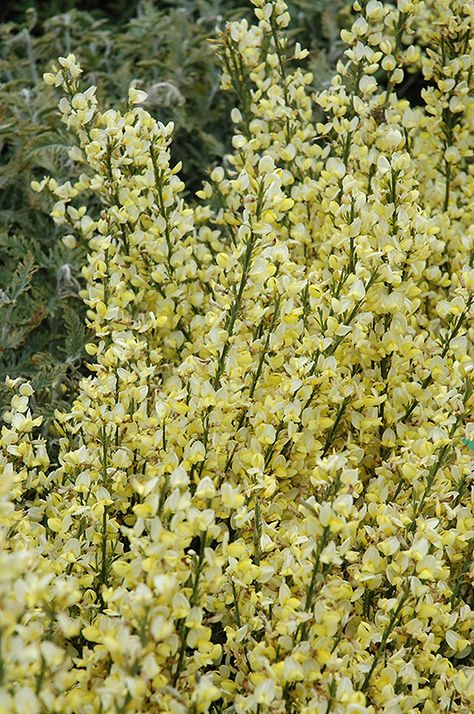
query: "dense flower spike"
261, 498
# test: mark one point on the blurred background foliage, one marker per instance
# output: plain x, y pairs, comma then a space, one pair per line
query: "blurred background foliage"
164, 46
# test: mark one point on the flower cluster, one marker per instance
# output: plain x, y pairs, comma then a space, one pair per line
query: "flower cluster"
260, 500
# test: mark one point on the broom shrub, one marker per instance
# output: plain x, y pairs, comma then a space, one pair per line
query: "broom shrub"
261, 498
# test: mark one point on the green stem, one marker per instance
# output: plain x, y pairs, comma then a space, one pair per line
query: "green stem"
388, 630
197, 575
310, 591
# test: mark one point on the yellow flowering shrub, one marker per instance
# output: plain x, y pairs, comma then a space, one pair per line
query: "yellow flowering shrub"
261, 499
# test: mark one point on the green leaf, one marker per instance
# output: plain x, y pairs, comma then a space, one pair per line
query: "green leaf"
22, 277
75, 333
